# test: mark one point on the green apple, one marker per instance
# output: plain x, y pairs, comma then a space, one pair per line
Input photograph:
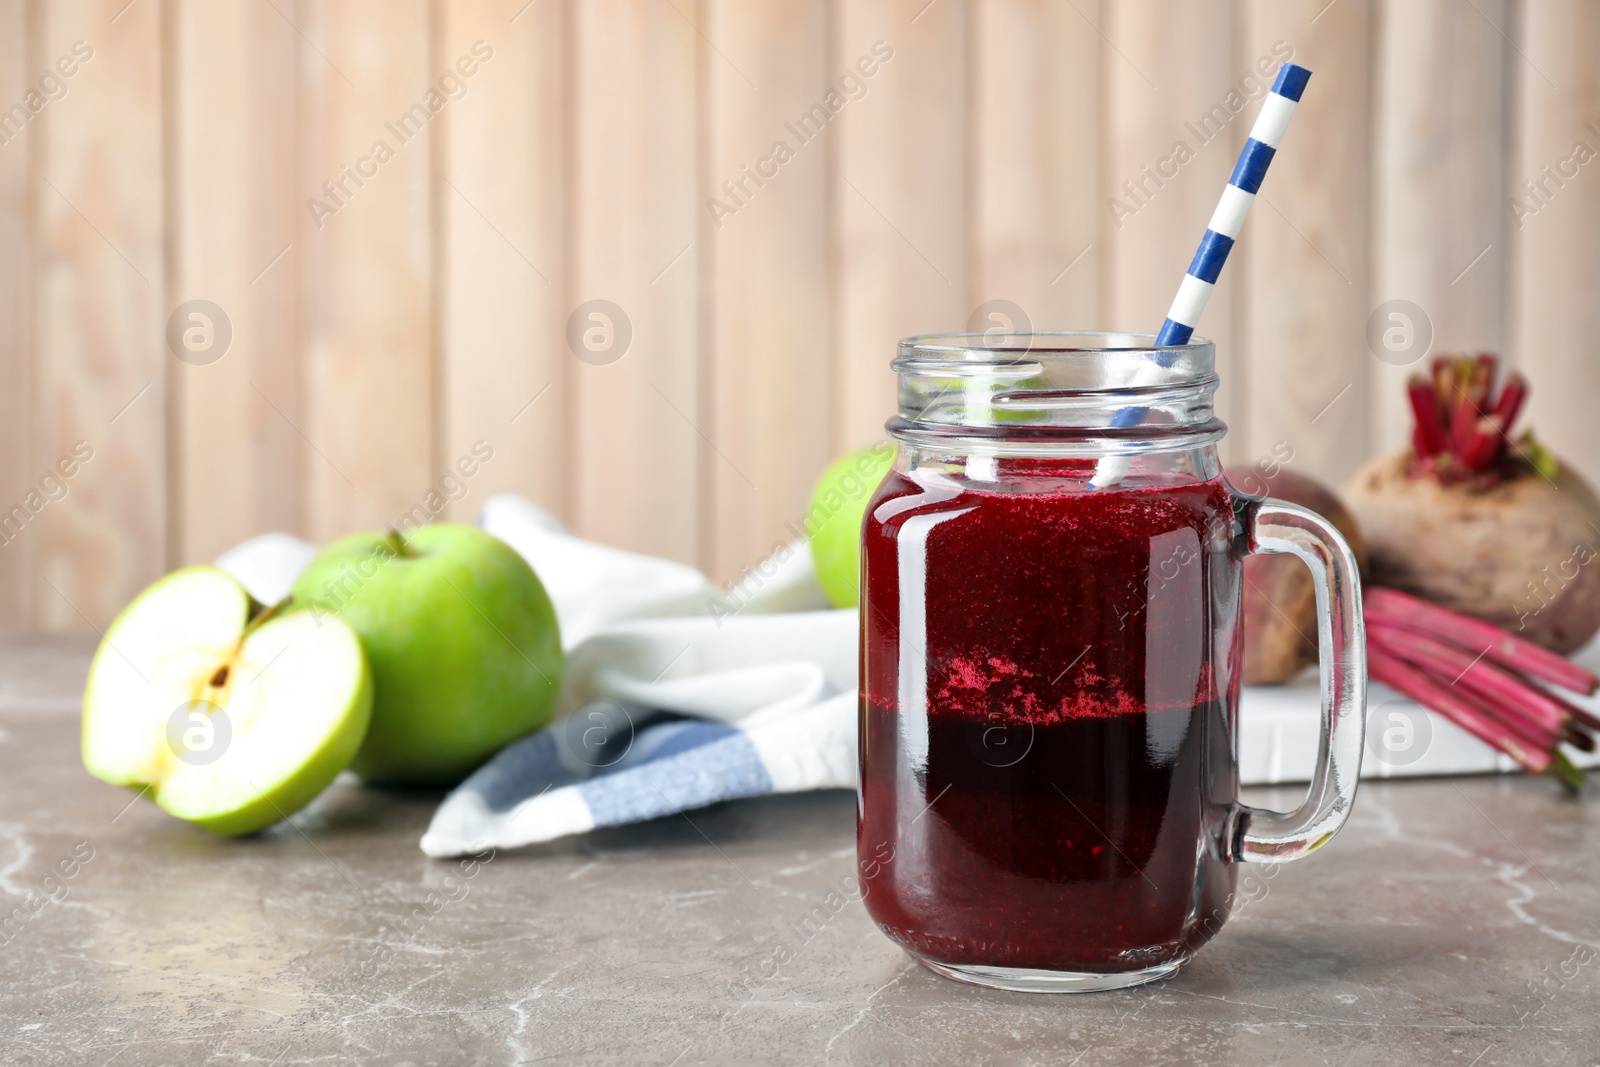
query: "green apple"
232, 719
463, 643
833, 521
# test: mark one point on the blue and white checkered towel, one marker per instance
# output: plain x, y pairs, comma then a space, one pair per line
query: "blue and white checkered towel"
677, 694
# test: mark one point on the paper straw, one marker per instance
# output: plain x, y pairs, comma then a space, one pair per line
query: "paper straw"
1222, 231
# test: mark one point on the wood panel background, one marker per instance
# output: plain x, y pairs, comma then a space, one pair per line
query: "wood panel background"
541, 156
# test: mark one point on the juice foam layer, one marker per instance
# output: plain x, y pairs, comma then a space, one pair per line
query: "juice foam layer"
998, 688
1051, 604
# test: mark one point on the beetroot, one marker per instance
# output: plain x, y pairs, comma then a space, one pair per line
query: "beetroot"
1484, 525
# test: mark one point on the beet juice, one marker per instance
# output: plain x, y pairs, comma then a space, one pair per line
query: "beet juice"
1049, 660
1051, 751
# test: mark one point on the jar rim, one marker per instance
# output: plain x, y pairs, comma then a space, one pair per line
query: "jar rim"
1072, 390
1001, 346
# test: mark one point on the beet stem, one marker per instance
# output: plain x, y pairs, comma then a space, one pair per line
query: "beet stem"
1506, 649
1463, 425
1505, 692
1511, 399
1485, 444
1532, 732
1403, 677
1429, 440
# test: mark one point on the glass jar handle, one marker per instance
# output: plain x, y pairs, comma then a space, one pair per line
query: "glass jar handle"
1275, 837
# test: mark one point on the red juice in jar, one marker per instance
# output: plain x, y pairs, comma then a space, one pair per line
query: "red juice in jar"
1048, 788
1071, 746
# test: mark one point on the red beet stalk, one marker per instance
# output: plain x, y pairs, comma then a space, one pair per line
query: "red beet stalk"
1428, 435
1512, 395
1456, 706
1463, 420
1483, 445
1489, 435
1508, 650
1513, 699
1533, 734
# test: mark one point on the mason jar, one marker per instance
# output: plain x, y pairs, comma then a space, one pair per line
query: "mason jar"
1050, 650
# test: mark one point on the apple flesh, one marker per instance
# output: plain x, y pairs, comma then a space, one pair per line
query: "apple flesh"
232, 719
833, 521
463, 643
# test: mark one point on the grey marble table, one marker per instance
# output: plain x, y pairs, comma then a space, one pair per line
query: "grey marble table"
1449, 923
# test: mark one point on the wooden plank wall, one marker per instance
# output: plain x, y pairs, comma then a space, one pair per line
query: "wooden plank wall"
16, 317
655, 254
97, 363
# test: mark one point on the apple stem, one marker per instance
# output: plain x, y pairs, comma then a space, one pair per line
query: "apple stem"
398, 544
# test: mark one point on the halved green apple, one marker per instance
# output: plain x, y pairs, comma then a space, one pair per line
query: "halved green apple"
232, 718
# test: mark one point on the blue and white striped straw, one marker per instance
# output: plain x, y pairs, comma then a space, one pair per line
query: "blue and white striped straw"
1223, 230
1229, 217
